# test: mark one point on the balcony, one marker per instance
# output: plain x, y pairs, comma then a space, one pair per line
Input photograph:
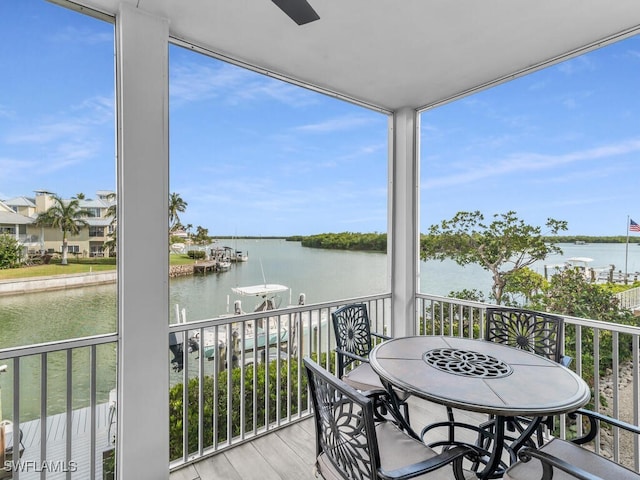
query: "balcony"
396, 61
265, 424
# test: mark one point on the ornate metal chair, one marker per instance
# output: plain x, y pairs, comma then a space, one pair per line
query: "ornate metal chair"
351, 445
353, 344
539, 333
562, 459
536, 332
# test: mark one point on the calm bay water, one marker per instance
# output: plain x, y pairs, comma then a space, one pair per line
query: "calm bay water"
322, 275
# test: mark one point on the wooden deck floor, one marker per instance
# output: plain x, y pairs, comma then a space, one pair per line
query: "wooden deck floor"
288, 453
56, 438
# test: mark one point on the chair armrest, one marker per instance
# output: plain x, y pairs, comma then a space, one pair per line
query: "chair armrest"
445, 458
594, 419
380, 335
549, 462
351, 355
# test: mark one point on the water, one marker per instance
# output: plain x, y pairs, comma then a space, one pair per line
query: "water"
323, 275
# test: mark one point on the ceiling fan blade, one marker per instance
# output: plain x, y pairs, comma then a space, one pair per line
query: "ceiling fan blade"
298, 10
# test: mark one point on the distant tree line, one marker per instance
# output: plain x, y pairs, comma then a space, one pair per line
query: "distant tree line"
374, 242
378, 241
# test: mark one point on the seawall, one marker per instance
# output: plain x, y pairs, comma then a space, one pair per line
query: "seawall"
55, 282
76, 280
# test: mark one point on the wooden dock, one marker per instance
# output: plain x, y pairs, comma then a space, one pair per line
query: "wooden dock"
56, 461
204, 267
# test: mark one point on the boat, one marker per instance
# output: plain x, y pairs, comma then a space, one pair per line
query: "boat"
264, 333
240, 256
582, 264
222, 258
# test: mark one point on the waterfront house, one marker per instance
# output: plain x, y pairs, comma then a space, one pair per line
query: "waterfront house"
398, 58
18, 216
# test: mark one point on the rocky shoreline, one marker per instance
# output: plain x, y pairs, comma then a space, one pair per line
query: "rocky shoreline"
625, 413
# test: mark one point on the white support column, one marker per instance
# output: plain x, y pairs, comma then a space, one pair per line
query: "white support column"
143, 253
404, 235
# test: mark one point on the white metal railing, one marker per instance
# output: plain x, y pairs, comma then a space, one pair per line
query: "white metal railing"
605, 354
244, 375
67, 383
629, 299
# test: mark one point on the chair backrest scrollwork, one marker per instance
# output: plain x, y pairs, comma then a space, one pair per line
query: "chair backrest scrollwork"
345, 429
353, 333
537, 332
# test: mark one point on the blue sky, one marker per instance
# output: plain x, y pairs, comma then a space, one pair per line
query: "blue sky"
254, 156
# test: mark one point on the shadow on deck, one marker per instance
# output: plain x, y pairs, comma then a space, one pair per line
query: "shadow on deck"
289, 453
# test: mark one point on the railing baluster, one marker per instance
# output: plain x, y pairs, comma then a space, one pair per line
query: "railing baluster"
228, 356
92, 408
69, 418
615, 379
635, 349
185, 399
243, 337
216, 371
43, 409
16, 417
200, 390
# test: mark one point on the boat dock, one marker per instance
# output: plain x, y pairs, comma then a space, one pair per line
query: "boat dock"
57, 463
204, 267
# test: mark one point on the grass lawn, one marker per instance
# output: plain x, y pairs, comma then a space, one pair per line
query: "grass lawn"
76, 266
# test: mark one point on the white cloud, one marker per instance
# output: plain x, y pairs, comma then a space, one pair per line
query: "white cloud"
86, 35
529, 162
337, 124
577, 65
195, 82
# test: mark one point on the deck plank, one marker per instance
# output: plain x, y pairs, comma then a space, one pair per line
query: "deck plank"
283, 457
289, 453
56, 447
249, 464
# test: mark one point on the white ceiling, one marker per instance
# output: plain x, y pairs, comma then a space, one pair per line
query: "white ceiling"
391, 54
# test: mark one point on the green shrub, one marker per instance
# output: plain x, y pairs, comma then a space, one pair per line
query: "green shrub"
197, 254
215, 414
10, 252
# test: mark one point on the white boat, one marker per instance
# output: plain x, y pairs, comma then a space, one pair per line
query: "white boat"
268, 333
582, 264
240, 256
222, 257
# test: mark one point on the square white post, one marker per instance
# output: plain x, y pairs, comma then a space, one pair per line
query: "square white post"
404, 225
142, 446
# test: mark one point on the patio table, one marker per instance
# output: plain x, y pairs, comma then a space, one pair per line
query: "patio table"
481, 376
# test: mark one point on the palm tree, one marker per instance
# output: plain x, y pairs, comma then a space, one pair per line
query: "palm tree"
112, 212
176, 204
66, 216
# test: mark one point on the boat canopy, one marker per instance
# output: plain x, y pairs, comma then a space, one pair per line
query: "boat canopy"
260, 290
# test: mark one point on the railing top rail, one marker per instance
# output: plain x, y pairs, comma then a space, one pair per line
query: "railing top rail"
289, 310
26, 350
457, 301
611, 326
585, 322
